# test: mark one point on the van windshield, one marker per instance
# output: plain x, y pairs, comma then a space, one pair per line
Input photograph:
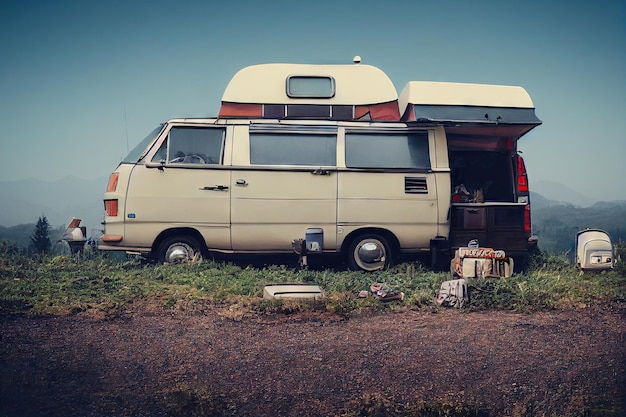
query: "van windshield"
140, 150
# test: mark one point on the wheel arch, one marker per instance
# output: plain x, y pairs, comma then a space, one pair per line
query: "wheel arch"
391, 239
179, 231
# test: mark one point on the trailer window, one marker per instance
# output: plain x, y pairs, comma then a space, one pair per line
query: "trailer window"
293, 149
192, 145
369, 150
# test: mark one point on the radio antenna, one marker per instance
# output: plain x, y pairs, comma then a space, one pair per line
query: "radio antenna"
126, 128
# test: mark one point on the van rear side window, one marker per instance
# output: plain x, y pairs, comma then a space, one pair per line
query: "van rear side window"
377, 150
293, 149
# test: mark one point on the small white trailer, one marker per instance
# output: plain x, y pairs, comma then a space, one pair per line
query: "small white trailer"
594, 250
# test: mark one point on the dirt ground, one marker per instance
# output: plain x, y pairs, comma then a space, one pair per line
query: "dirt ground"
150, 361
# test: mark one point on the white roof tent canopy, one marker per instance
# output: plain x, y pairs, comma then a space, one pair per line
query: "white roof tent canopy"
363, 92
328, 92
470, 109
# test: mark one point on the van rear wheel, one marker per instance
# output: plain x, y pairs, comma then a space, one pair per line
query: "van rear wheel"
179, 249
369, 252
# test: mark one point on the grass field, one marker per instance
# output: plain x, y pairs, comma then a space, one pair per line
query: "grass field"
67, 284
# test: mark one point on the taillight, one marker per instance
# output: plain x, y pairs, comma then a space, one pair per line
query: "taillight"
110, 207
527, 225
112, 185
522, 178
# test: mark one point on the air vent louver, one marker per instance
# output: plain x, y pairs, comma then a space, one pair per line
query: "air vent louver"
415, 185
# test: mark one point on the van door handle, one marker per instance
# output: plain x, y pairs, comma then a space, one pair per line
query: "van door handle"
320, 171
215, 188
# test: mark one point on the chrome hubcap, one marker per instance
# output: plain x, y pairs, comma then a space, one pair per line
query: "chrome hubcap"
370, 255
180, 253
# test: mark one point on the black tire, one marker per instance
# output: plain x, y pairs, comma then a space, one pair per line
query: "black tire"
179, 249
521, 264
369, 252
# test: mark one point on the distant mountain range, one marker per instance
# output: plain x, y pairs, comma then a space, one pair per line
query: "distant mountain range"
24, 201
556, 224
558, 193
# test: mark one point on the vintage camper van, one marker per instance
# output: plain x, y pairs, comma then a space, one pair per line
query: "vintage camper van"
329, 154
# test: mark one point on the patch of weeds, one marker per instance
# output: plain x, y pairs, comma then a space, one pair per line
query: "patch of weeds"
342, 303
278, 306
620, 259
171, 302
290, 306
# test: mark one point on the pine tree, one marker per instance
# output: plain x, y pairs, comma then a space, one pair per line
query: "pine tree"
40, 240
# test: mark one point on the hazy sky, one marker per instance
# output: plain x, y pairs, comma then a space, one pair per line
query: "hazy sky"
81, 81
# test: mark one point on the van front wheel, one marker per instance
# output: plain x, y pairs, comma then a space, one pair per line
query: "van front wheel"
179, 249
369, 253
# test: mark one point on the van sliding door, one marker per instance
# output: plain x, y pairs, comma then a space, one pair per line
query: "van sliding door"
286, 184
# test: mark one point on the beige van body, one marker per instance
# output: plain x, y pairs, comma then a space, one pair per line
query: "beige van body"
295, 148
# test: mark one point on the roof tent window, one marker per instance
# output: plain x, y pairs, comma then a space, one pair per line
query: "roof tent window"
310, 87
369, 150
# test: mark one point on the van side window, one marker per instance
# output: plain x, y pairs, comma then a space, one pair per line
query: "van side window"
384, 150
293, 149
192, 145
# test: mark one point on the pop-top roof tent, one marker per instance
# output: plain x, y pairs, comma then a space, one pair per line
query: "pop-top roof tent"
326, 92
470, 109
364, 92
